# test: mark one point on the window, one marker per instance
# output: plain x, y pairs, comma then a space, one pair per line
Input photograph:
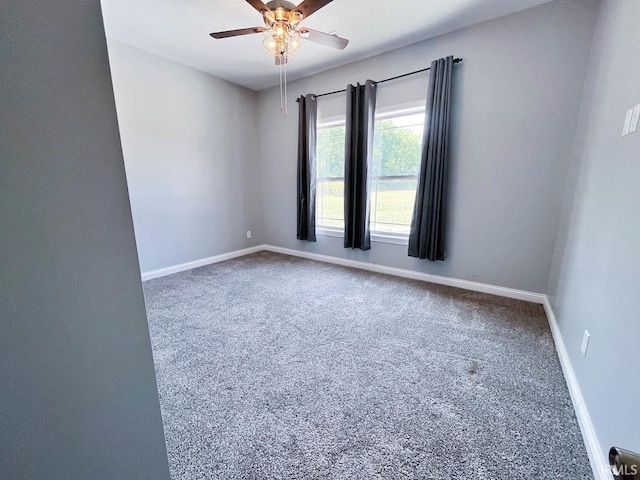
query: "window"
397, 150
330, 176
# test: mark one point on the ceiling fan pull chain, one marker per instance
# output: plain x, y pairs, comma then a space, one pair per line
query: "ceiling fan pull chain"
281, 89
283, 85
286, 101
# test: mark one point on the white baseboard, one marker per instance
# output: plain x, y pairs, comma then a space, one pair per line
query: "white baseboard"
162, 272
599, 464
372, 267
425, 277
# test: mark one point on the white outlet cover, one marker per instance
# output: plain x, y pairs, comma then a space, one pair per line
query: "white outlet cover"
585, 342
634, 119
627, 122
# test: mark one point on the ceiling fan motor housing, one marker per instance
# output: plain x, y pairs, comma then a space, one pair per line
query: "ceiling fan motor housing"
281, 11
274, 4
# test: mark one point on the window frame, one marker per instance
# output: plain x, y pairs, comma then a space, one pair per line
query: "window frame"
381, 114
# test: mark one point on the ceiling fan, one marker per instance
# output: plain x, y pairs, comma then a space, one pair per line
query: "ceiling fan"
283, 31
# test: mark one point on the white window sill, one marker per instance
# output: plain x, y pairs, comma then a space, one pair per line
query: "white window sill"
329, 232
397, 239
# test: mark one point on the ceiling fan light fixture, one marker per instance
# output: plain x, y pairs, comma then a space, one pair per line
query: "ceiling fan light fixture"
295, 17
280, 30
269, 18
270, 44
293, 43
287, 45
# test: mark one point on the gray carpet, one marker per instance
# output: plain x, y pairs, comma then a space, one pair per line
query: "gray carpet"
271, 366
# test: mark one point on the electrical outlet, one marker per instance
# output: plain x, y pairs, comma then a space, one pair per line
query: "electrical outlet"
248, 233
585, 342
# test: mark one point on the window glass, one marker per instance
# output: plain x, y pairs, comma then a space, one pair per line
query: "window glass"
397, 151
397, 148
330, 177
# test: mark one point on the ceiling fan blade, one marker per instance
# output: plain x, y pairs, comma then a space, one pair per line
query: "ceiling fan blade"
281, 60
329, 40
310, 6
235, 33
258, 5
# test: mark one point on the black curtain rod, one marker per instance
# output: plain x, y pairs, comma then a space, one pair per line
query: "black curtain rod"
455, 60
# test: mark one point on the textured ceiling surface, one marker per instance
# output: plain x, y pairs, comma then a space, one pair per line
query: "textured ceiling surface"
179, 30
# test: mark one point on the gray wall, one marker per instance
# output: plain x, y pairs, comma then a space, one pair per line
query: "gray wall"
78, 395
190, 150
596, 276
517, 96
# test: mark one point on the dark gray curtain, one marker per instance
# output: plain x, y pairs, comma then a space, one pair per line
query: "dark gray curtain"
427, 237
361, 106
307, 161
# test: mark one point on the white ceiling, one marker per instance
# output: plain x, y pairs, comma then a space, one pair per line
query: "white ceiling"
179, 30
